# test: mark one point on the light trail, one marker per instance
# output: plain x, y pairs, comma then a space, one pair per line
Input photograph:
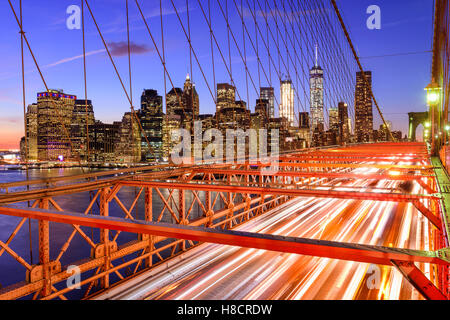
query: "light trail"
224, 272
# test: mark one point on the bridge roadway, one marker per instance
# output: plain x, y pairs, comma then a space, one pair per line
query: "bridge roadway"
213, 271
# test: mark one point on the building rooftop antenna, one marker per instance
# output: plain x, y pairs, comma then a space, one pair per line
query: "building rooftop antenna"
317, 64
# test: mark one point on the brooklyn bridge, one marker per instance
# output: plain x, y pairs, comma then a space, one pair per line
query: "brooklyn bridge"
333, 210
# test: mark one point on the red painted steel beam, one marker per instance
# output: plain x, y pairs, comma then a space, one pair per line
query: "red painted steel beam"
342, 165
402, 177
356, 153
419, 280
362, 158
434, 219
363, 153
370, 153
395, 197
310, 247
375, 149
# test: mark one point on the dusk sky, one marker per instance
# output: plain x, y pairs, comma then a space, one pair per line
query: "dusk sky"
398, 80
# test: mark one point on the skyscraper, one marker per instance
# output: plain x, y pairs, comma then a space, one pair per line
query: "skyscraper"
190, 98
128, 145
171, 122
316, 92
333, 117
287, 101
54, 116
363, 108
383, 132
103, 140
262, 107
151, 117
344, 129
82, 119
32, 133
303, 119
268, 93
174, 102
226, 96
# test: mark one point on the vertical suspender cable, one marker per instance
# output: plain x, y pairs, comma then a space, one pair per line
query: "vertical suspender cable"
268, 53
257, 44
360, 67
25, 126
190, 60
211, 34
116, 71
229, 46
163, 58
91, 195
66, 132
85, 84
245, 54
130, 79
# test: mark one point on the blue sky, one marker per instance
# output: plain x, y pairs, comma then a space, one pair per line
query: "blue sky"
398, 81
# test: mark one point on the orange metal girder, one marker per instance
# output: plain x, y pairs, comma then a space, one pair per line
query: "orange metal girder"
344, 165
344, 158
434, 219
402, 177
364, 153
318, 248
419, 280
395, 197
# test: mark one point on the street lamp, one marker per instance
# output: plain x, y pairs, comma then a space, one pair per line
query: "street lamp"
433, 98
433, 93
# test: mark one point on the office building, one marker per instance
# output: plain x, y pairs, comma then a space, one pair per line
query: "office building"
344, 128
151, 118
31, 147
226, 96
333, 119
80, 129
268, 94
287, 101
363, 107
303, 119
54, 116
316, 88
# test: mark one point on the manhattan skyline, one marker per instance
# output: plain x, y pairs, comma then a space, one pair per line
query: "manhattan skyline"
61, 60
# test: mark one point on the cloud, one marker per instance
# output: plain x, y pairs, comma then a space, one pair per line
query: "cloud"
406, 21
166, 12
276, 13
136, 23
5, 76
65, 60
13, 120
121, 48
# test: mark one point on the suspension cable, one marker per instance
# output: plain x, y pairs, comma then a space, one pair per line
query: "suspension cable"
361, 68
161, 58
85, 85
117, 73
130, 79
25, 128
43, 80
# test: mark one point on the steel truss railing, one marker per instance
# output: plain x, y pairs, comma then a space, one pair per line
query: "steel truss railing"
225, 195
106, 256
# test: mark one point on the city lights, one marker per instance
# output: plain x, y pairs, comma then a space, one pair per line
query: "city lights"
220, 151
433, 93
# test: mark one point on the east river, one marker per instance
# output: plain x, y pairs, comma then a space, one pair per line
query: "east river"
12, 272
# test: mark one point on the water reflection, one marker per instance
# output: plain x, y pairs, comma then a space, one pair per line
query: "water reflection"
12, 272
